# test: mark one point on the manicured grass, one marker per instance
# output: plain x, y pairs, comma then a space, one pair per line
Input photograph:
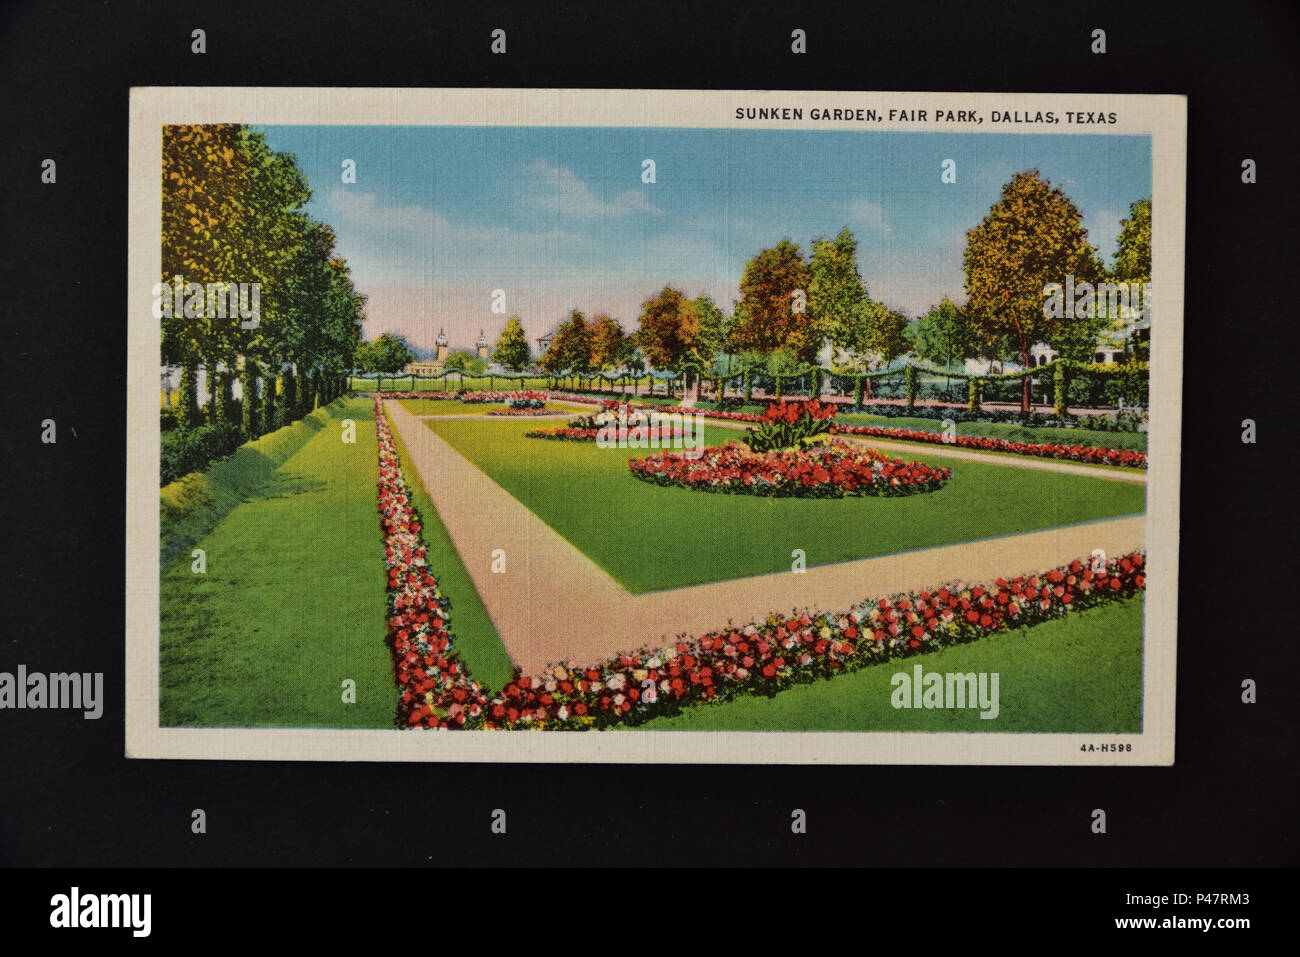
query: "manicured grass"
292, 601
1133, 441
473, 634
193, 504
456, 407
1081, 673
649, 537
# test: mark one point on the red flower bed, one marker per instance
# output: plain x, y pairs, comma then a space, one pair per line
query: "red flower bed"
790, 411
1049, 450
782, 651
833, 470
435, 689
524, 411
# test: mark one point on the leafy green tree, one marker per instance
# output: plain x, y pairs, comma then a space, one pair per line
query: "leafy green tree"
711, 326
667, 329
570, 350
888, 336
767, 317
837, 296
512, 350
389, 353
608, 344
944, 335
1032, 237
466, 363
1133, 251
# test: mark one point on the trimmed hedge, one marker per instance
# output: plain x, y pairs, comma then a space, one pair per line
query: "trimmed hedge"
193, 450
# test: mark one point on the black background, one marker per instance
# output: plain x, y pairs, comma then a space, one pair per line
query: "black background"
69, 798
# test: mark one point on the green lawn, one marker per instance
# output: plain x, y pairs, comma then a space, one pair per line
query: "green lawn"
292, 601
1081, 674
1133, 441
650, 538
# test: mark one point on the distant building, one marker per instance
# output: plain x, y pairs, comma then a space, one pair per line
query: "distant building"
544, 342
484, 351
430, 367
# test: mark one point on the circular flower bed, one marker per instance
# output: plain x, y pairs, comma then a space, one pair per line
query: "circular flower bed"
833, 470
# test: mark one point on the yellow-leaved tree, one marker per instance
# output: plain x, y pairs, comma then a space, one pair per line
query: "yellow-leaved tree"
1032, 237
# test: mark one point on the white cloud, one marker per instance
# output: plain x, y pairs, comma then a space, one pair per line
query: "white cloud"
866, 212
562, 190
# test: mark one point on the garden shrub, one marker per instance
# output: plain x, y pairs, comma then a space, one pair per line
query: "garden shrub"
786, 425
193, 450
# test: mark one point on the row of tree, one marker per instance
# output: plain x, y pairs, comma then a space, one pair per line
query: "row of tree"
791, 306
232, 212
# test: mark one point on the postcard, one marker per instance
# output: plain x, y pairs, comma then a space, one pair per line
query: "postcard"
656, 426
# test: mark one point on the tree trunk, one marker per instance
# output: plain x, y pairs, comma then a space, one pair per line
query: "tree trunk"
190, 394
248, 419
1024, 380
216, 393
269, 404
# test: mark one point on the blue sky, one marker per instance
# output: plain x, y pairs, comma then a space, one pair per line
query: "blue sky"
559, 218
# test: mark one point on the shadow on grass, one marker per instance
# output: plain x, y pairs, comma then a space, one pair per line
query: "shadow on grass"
194, 504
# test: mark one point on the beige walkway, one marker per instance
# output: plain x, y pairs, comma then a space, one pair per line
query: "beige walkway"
553, 603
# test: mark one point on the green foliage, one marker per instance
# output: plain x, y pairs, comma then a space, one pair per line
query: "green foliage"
837, 296
1031, 238
765, 318
232, 213
1060, 388
668, 328
570, 350
711, 327
975, 392
772, 436
888, 335
389, 354
464, 362
193, 450
945, 335
512, 349
1133, 251
608, 344
910, 375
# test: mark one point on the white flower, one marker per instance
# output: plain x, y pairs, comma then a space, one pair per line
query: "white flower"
654, 662
563, 713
